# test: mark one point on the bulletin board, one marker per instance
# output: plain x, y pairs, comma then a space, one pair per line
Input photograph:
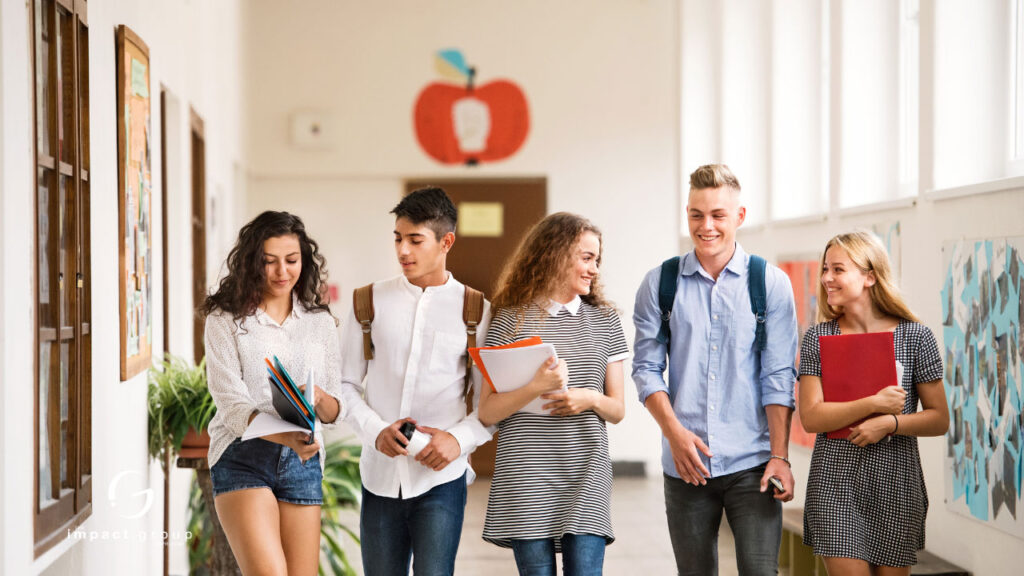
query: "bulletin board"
135, 185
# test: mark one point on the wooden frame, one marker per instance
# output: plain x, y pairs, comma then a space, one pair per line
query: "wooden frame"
62, 423
134, 197
198, 146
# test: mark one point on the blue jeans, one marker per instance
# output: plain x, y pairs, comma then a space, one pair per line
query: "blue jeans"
695, 512
582, 555
259, 463
426, 528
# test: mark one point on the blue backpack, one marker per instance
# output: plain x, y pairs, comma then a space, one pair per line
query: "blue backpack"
755, 287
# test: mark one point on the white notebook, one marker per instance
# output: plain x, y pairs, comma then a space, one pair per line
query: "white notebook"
512, 368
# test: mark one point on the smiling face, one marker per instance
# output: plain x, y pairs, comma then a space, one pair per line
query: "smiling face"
583, 268
420, 253
713, 215
282, 265
844, 282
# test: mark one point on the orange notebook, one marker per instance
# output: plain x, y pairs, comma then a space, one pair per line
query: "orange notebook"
475, 354
855, 366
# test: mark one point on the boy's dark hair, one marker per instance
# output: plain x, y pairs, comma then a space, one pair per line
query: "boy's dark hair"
431, 206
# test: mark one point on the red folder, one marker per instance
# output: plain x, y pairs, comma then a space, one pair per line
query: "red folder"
855, 366
475, 353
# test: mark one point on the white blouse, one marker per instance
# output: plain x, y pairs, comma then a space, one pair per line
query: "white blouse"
237, 374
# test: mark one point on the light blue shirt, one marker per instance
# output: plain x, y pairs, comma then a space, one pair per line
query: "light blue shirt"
717, 384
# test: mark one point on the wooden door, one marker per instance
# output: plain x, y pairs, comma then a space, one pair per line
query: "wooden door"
494, 214
198, 233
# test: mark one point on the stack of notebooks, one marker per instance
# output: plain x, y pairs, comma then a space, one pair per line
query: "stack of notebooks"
512, 366
294, 407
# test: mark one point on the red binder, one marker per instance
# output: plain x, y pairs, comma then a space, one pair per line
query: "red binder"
854, 366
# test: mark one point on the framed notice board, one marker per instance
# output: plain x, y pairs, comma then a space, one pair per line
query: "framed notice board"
134, 191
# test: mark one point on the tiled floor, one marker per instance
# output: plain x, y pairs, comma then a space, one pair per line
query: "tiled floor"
638, 515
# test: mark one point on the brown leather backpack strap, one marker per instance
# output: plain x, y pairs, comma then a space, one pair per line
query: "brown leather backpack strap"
472, 314
362, 305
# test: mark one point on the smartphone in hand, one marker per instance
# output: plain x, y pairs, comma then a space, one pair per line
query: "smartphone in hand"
776, 485
406, 429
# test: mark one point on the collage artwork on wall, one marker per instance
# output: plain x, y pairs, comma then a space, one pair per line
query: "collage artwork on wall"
983, 353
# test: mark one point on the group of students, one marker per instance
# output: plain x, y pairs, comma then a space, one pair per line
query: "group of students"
724, 407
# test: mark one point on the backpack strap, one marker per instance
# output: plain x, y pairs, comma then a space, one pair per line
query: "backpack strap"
758, 299
666, 295
362, 305
472, 314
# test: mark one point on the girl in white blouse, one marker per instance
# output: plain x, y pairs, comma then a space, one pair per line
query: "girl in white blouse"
272, 302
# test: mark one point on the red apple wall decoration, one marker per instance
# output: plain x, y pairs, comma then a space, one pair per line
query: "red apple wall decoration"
461, 123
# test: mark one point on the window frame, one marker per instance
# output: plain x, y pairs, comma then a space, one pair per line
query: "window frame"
67, 127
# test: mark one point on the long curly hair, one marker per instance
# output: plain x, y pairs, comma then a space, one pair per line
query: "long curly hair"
868, 254
242, 289
540, 263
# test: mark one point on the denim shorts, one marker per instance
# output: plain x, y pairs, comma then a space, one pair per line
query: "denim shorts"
258, 463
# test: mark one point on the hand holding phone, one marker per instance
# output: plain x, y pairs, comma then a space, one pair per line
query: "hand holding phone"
776, 484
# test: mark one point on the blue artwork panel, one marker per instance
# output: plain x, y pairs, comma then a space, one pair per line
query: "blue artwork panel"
982, 313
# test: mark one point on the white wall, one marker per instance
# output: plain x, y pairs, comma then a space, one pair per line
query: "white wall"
15, 293
924, 228
182, 36
599, 78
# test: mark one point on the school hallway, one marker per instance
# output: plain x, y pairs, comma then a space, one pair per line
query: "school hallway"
137, 137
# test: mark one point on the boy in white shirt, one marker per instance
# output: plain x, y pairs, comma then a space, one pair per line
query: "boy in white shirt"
413, 506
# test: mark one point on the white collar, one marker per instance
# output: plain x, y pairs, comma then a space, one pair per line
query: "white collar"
449, 283
573, 306
298, 310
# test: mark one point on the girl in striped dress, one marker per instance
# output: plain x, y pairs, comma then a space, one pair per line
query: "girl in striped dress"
552, 482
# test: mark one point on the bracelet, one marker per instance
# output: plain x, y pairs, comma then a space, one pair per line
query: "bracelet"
783, 458
897, 423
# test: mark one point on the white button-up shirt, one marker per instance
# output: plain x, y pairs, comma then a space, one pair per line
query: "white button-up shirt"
237, 375
418, 371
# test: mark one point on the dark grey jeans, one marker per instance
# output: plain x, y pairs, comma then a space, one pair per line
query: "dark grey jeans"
695, 512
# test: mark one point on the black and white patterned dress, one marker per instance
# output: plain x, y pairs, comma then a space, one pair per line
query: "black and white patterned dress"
553, 474
870, 503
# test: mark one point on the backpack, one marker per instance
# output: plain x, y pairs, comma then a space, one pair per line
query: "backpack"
472, 314
755, 287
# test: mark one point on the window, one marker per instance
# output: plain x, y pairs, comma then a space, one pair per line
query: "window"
799, 145
876, 51
814, 105
63, 461
1018, 101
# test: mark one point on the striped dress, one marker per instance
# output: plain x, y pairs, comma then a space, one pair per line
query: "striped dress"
552, 474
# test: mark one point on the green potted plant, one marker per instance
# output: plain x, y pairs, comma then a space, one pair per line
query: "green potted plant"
180, 409
342, 489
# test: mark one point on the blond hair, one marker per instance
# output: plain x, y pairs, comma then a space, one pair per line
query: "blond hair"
868, 254
713, 176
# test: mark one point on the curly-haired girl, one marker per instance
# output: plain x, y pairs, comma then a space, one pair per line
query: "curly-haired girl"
271, 303
552, 476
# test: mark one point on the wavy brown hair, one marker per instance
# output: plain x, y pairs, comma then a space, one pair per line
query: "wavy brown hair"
868, 254
241, 290
541, 261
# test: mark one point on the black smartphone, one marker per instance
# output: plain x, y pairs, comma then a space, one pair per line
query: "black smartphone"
776, 484
407, 428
